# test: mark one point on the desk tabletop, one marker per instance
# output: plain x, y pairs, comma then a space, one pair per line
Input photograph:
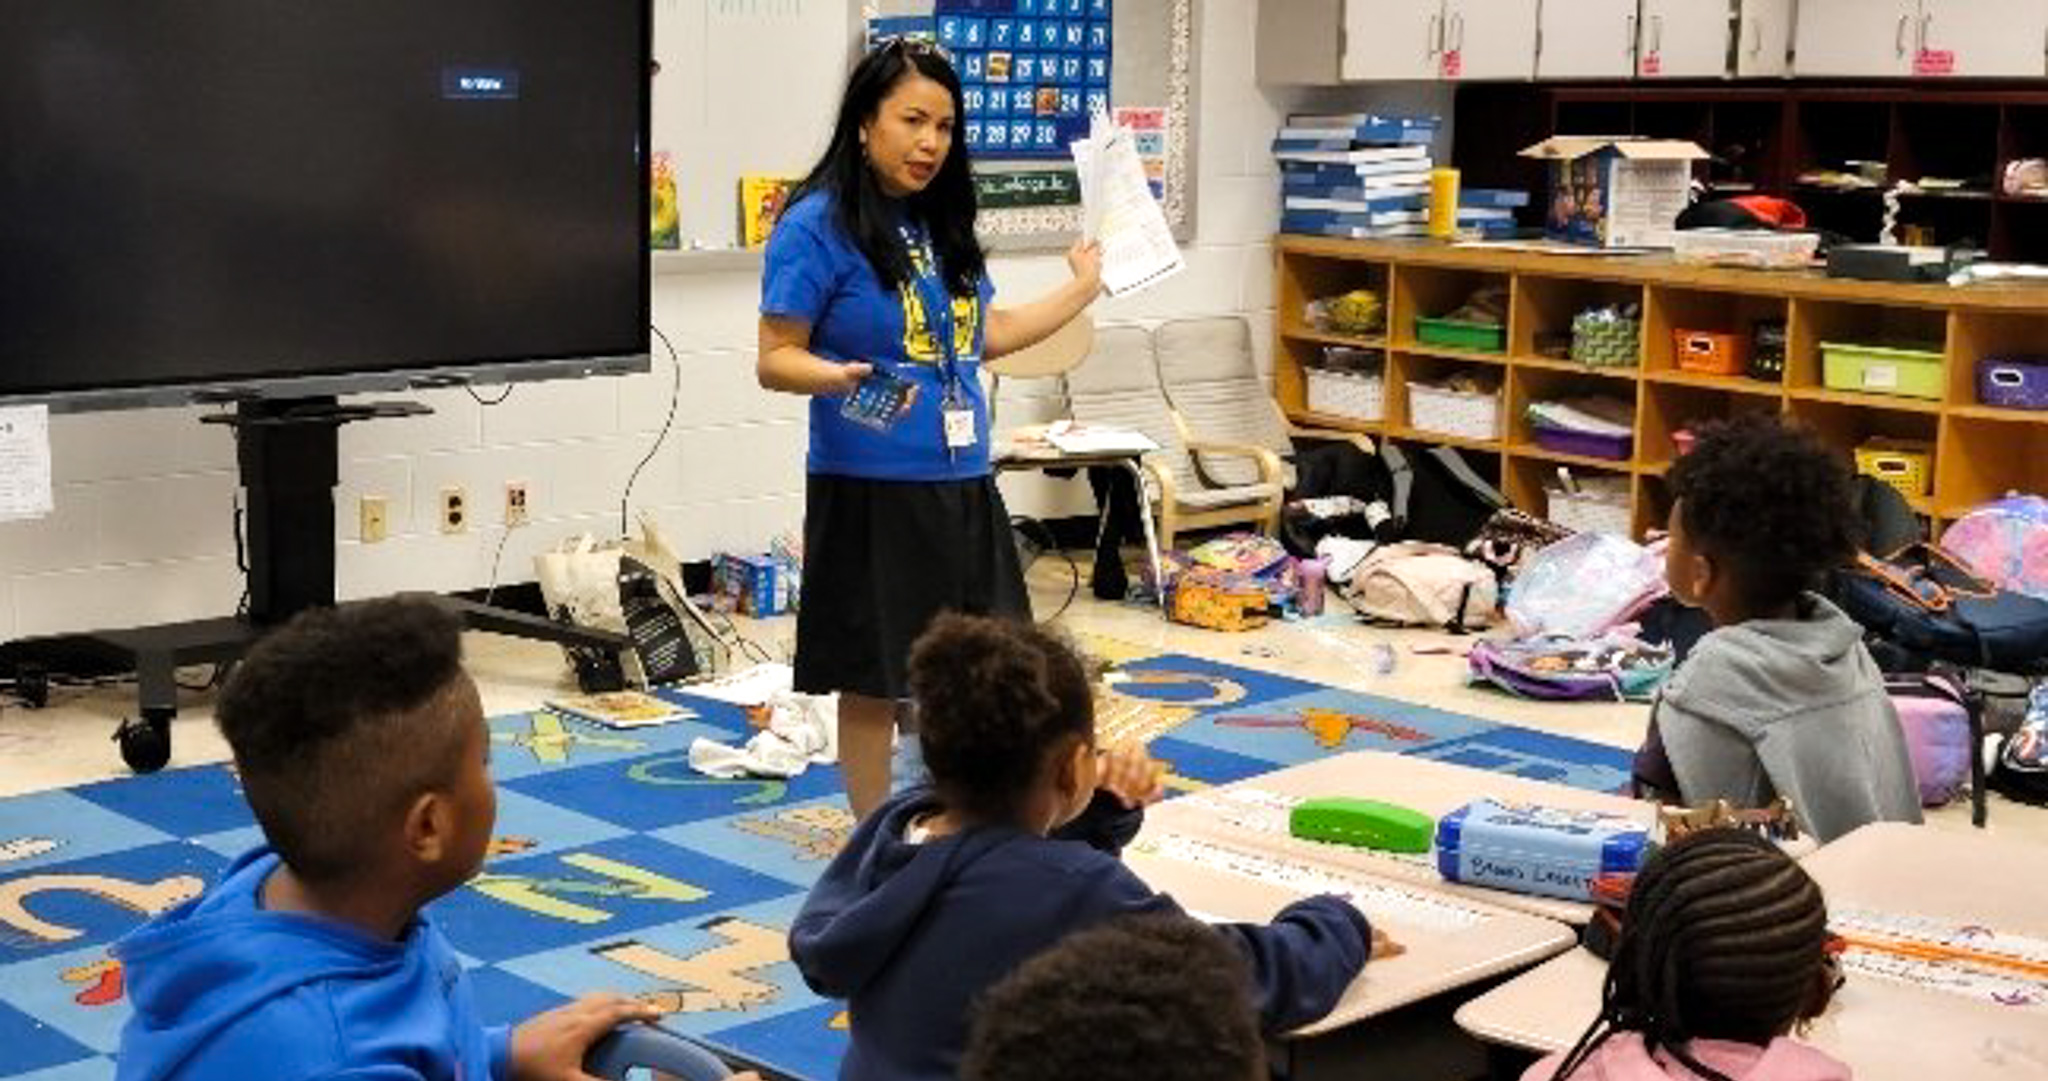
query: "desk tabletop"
1253, 813
1451, 942
1886, 1028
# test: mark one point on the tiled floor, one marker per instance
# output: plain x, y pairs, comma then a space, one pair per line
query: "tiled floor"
68, 743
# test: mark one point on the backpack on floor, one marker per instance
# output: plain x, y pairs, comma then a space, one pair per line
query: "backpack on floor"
1413, 585
1584, 585
2005, 541
2021, 771
1613, 667
1929, 604
1934, 714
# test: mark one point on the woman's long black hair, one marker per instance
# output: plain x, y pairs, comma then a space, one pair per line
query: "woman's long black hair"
945, 207
1724, 938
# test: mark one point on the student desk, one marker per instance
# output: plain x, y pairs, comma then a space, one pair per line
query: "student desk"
1886, 1030
1009, 456
1252, 814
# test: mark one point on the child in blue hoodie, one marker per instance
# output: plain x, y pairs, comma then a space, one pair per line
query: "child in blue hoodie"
361, 746
946, 888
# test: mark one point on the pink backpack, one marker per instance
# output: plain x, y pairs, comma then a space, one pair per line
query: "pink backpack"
2005, 541
1415, 584
1936, 720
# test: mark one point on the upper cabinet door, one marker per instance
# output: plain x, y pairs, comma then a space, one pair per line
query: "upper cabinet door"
1982, 38
1857, 37
1683, 39
1588, 39
1764, 43
1489, 39
1392, 39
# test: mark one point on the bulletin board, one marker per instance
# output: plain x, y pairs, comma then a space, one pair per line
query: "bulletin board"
751, 87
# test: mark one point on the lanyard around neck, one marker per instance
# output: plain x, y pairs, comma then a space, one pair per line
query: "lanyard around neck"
927, 278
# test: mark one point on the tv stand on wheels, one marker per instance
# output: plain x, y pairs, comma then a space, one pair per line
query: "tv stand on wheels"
287, 452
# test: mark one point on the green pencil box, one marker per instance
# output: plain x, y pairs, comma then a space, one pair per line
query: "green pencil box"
1362, 823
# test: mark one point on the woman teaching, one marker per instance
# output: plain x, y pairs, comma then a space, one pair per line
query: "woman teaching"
876, 302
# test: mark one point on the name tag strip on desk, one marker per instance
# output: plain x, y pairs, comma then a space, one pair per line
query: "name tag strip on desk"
1941, 955
1256, 810
1376, 898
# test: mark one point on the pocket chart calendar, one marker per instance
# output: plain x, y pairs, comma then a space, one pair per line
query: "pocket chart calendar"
1031, 71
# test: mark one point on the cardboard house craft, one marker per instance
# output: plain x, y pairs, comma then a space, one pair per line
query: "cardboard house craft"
1616, 191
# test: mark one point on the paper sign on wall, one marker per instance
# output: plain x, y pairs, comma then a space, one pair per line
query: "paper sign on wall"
24, 462
1148, 130
1935, 62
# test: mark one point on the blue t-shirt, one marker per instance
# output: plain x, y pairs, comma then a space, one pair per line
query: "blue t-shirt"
816, 275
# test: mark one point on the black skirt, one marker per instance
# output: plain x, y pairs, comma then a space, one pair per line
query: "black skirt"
881, 558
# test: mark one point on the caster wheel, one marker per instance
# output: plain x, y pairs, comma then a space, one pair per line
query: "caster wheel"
145, 744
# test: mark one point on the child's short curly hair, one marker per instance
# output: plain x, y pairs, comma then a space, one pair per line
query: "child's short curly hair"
1146, 998
1768, 502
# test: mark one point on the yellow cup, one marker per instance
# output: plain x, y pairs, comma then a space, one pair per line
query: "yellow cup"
1443, 203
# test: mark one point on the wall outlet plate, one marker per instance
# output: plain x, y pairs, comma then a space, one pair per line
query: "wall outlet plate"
373, 519
518, 510
454, 510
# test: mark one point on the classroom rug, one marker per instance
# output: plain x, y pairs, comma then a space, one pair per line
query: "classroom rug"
615, 867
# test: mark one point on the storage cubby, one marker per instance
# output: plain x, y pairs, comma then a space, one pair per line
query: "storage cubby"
1529, 385
1983, 458
1847, 427
1671, 310
1303, 280
1544, 307
1528, 483
1432, 292
1667, 409
1978, 453
1977, 335
1818, 321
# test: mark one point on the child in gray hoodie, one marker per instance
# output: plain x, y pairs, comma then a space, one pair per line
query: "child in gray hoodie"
1781, 698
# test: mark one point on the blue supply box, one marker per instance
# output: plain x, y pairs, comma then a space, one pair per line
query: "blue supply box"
1547, 851
759, 585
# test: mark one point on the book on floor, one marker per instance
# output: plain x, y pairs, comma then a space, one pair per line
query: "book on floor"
620, 709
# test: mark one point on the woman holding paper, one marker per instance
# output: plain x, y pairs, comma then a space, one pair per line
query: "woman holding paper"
876, 303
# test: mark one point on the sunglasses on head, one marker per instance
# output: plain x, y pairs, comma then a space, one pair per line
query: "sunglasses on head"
912, 45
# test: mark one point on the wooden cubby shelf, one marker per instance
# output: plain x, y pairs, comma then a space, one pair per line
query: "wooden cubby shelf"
1979, 452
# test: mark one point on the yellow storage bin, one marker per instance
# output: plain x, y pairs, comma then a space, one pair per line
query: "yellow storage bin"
1905, 464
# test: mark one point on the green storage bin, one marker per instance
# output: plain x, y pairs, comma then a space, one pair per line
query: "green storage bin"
1458, 334
1905, 371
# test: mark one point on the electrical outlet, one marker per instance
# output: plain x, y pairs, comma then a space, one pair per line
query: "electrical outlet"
516, 507
454, 510
373, 521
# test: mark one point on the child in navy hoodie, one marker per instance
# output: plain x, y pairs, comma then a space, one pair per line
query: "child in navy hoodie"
945, 889
361, 746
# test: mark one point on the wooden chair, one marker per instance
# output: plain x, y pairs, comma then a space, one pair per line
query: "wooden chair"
1119, 386
1212, 382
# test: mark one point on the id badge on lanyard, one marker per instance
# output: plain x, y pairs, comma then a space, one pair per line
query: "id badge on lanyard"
956, 412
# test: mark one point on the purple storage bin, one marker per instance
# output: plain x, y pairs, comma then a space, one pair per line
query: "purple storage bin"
1564, 441
2013, 382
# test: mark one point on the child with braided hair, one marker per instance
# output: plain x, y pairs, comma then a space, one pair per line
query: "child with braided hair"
1723, 954
946, 888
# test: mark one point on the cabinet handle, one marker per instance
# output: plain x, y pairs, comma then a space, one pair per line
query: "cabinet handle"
1458, 31
1926, 31
1899, 35
1431, 41
1756, 39
1631, 36
1657, 33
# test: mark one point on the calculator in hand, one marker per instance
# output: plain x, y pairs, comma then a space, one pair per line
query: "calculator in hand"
880, 401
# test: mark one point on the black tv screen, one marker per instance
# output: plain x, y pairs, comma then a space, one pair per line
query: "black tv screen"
251, 196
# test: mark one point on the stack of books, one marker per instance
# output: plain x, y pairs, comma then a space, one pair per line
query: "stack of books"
1489, 212
1355, 175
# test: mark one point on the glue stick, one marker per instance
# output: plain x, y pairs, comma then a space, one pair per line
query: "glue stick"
1443, 203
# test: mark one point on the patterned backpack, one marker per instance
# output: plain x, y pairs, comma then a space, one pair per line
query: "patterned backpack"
2021, 771
2005, 541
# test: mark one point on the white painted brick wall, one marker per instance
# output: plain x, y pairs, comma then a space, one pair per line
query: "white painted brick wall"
142, 530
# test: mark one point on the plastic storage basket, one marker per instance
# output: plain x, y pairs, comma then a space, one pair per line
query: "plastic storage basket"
1906, 371
1904, 464
1606, 343
2013, 382
1352, 395
1458, 334
1597, 507
1710, 352
1465, 415
1757, 248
